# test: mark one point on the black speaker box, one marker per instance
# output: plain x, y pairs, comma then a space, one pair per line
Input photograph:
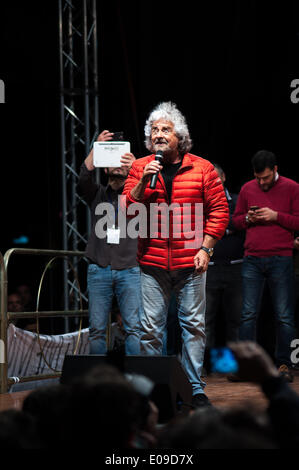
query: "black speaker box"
172, 392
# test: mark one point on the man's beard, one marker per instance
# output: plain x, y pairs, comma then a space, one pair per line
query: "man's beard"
116, 175
165, 148
268, 186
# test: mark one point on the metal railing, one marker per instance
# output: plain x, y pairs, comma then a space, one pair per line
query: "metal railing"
6, 317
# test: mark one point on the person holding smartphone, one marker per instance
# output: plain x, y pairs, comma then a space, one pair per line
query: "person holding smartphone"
113, 269
268, 209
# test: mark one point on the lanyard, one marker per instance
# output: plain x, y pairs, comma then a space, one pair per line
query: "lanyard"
111, 201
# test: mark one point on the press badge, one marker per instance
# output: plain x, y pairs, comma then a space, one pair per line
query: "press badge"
113, 235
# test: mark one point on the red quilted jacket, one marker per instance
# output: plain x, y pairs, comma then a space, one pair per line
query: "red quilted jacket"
195, 183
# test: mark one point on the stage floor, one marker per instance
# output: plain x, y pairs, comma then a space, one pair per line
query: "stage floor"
220, 391
223, 393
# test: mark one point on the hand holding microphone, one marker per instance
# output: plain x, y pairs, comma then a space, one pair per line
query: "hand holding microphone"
156, 168
150, 172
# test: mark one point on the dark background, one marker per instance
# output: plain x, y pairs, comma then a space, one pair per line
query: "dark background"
228, 65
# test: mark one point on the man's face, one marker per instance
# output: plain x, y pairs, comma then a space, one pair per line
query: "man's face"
24, 291
221, 175
266, 178
14, 303
163, 136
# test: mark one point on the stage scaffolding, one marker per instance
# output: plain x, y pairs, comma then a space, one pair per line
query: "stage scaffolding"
79, 114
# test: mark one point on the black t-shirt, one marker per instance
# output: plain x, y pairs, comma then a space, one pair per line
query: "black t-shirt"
168, 172
99, 251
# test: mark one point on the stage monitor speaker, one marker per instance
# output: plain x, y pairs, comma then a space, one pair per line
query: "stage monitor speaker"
172, 392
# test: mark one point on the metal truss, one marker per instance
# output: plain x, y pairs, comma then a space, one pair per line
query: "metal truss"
79, 122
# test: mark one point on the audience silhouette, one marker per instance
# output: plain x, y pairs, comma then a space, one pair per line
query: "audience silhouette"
109, 409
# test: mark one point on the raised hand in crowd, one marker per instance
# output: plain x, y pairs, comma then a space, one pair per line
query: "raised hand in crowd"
254, 363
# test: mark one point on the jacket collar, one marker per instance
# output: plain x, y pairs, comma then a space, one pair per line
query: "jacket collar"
186, 163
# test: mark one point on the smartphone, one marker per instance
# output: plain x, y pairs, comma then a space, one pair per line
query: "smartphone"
254, 208
222, 361
117, 136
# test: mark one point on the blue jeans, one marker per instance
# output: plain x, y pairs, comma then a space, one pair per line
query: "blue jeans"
278, 272
102, 284
189, 288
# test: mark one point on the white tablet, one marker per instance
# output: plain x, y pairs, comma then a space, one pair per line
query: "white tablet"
108, 154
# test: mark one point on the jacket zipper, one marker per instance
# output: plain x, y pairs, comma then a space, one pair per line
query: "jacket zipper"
161, 179
163, 184
183, 167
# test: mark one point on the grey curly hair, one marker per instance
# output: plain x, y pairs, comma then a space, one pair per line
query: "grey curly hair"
169, 112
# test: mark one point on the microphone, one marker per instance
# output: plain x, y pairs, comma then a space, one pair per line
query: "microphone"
158, 158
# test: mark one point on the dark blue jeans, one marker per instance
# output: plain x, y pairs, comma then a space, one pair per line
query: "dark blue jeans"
224, 297
278, 272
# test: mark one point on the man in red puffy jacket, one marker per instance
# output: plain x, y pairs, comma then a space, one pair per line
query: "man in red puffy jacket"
187, 213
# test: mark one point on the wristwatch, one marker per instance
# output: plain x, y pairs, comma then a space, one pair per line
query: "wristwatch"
210, 251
